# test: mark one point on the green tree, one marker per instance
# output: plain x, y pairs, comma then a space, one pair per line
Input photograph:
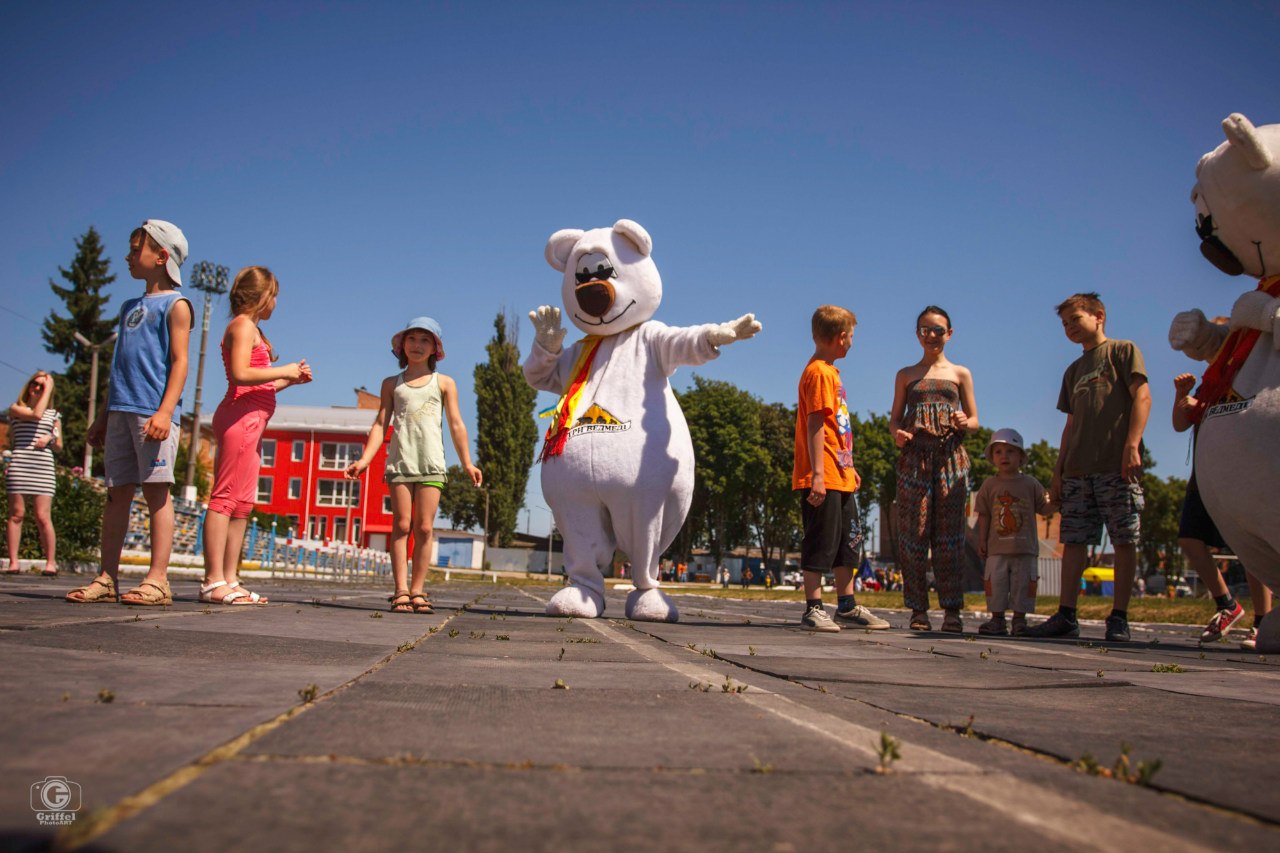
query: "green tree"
461, 502
1042, 458
88, 274
773, 511
730, 461
1161, 512
505, 430
875, 457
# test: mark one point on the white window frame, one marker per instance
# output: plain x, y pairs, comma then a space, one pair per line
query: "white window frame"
337, 493
386, 504
337, 455
299, 450
270, 484
268, 453
295, 488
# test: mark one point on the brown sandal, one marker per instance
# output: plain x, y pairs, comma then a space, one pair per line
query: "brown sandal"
96, 591
150, 594
401, 602
920, 621
424, 606
952, 623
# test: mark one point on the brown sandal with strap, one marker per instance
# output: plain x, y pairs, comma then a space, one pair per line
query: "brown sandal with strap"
424, 606
97, 591
149, 594
401, 602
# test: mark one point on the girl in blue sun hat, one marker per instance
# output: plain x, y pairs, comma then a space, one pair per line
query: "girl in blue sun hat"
414, 403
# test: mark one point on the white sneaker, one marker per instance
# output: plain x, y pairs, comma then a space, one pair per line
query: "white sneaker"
863, 618
816, 619
1250, 640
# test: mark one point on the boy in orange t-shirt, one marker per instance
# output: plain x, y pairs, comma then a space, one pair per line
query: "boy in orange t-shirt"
824, 476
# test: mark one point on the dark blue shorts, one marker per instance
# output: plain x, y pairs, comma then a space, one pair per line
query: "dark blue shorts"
831, 534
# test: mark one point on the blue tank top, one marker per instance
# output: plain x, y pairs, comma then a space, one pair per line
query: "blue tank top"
140, 364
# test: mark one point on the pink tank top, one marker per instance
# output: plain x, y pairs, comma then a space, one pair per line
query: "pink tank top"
259, 396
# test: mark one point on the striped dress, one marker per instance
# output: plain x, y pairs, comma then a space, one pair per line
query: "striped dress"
31, 469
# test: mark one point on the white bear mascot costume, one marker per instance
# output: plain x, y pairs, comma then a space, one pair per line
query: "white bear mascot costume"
617, 463
1237, 199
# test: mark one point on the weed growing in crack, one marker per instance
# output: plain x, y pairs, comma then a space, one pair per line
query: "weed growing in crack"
375, 615
477, 635
559, 685
584, 640
503, 637
1166, 667
700, 686
1123, 770
888, 750
404, 647
106, 697
309, 693
751, 650
453, 632
760, 767
731, 686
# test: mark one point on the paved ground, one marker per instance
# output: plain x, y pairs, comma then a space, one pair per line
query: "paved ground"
445, 732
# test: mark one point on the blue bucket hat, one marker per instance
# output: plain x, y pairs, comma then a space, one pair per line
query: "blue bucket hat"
426, 324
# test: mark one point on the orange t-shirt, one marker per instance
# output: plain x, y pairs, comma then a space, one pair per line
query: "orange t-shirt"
822, 391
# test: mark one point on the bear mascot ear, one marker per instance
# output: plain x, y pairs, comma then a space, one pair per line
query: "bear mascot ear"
638, 236
560, 245
1241, 133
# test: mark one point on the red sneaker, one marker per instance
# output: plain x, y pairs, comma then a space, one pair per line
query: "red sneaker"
1221, 623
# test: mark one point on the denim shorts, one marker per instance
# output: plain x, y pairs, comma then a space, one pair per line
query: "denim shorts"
1092, 500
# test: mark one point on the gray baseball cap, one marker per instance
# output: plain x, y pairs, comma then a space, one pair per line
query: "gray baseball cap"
173, 241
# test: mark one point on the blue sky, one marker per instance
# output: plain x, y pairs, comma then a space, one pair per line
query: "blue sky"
388, 160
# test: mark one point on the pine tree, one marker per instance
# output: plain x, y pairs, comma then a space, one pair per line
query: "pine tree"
88, 275
506, 432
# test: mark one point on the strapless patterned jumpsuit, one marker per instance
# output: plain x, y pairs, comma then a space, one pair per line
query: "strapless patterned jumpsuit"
933, 487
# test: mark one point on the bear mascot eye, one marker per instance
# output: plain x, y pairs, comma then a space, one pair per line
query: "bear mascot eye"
593, 267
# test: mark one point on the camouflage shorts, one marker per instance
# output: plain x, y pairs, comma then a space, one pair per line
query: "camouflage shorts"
1090, 500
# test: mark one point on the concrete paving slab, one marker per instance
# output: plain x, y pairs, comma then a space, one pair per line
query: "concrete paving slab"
426, 740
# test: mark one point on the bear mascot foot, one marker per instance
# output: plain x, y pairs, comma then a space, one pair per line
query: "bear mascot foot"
576, 601
651, 605
1269, 634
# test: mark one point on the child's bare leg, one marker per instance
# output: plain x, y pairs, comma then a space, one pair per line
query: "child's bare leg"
161, 509
1261, 595
1074, 558
1126, 571
401, 525
215, 546
844, 580
1206, 567
115, 524
17, 512
424, 511
44, 524
812, 585
232, 549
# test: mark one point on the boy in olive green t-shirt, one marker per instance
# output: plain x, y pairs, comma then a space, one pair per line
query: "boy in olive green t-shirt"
1098, 476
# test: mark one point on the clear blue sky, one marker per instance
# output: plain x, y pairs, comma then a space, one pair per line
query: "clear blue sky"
394, 159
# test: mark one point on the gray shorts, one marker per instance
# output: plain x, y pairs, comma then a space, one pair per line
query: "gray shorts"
129, 458
1091, 500
1011, 579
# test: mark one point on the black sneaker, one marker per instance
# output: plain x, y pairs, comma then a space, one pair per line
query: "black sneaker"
1056, 625
1117, 629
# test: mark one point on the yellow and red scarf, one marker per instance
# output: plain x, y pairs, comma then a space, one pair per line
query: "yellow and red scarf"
570, 403
1215, 385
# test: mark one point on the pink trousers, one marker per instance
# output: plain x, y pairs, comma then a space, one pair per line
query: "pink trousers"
238, 426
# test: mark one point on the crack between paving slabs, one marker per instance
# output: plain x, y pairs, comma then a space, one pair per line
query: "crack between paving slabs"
106, 819
1022, 801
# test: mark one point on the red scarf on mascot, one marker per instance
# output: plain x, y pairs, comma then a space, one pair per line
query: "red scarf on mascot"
1215, 385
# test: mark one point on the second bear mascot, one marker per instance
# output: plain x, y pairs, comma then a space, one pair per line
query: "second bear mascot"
1237, 199
617, 462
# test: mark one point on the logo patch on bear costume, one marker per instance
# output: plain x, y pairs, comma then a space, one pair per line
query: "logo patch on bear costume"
1234, 407
596, 419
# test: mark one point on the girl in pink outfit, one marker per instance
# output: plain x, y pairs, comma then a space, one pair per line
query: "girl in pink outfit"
238, 425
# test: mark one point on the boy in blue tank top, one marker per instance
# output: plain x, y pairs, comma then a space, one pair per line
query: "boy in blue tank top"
138, 423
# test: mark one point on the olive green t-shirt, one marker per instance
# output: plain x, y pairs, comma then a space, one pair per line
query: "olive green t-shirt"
1095, 392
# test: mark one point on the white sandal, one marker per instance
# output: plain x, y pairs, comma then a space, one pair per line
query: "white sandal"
205, 591
238, 593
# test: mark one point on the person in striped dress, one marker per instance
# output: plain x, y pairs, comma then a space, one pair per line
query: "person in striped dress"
36, 430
